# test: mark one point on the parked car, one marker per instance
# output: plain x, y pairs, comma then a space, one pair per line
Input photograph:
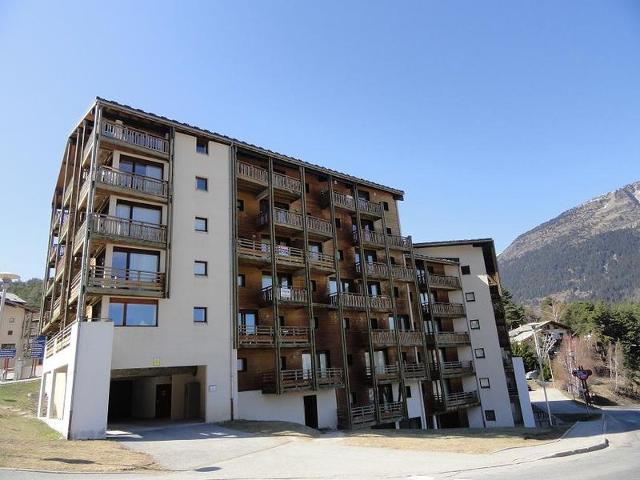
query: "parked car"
532, 375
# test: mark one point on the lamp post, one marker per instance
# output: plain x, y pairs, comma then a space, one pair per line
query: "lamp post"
5, 279
544, 387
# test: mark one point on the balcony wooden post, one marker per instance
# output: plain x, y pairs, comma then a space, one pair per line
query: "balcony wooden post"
169, 227
234, 249
307, 276
343, 334
274, 278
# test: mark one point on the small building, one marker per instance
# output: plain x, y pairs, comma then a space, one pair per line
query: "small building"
18, 325
524, 333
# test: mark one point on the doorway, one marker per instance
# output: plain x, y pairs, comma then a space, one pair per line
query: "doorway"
163, 400
311, 411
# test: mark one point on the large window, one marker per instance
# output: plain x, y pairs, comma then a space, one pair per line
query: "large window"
140, 167
126, 313
140, 260
140, 212
247, 321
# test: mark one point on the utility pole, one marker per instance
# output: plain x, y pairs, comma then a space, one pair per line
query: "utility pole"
544, 386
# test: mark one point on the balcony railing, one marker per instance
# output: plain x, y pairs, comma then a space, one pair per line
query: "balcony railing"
383, 337
391, 410
443, 309
255, 335
444, 281
321, 260
461, 399
129, 181
125, 279
452, 338
369, 208
363, 415
330, 377
136, 137
385, 372
253, 173
410, 338
59, 341
319, 226
378, 239
252, 249
414, 370
452, 369
283, 218
289, 255
374, 269
125, 229
357, 301
285, 295
289, 380
290, 184
344, 200
294, 335
402, 273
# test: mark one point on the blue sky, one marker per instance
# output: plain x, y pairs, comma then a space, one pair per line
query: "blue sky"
493, 116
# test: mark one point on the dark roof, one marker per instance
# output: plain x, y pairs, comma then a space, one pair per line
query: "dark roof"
399, 194
446, 243
428, 258
487, 245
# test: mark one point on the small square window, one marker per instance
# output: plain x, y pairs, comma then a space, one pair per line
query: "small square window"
338, 223
340, 255
479, 352
484, 382
202, 146
465, 269
200, 314
407, 392
240, 205
241, 280
474, 324
12, 320
201, 224
306, 188
470, 297
314, 286
396, 292
490, 415
388, 230
200, 268
316, 323
346, 323
10, 332
242, 364
202, 184
349, 359
385, 205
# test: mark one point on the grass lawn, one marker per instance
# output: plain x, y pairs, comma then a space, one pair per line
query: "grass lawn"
26, 442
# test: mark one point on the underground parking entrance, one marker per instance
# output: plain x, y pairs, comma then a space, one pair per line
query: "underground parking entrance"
156, 395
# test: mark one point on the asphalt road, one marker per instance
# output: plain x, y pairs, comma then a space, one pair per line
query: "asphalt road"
621, 461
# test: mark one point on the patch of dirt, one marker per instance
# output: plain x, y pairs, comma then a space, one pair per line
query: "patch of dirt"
272, 428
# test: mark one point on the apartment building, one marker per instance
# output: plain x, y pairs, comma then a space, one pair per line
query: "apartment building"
19, 324
192, 275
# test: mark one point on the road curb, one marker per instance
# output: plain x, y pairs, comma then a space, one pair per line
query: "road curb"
604, 443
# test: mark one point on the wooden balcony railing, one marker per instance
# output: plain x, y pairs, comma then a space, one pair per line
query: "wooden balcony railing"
402, 273
136, 183
444, 281
383, 337
319, 226
294, 335
289, 380
344, 200
369, 208
410, 338
391, 410
59, 341
330, 377
253, 173
378, 239
374, 269
289, 255
136, 137
321, 260
461, 399
379, 302
125, 229
357, 301
452, 369
137, 281
385, 371
254, 250
363, 415
414, 370
285, 295
452, 338
255, 335
290, 184
284, 218
443, 309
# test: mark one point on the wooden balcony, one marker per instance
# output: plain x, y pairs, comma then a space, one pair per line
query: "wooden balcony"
294, 336
318, 227
361, 417
455, 401
130, 231
444, 282
415, 370
257, 179
290, 380
456, 369
255, 336
284, 295
67, 193
133, 137
403, 273
111, 179
252, 251
285, 219
444, 309
252, 175
118, 281
383, 338
452, 338
378, 239
321, 261
374, 269
410, 338
391, 412
289, 257
330, 377
287, 184
348, 202
59, 341
359, 302
385, 373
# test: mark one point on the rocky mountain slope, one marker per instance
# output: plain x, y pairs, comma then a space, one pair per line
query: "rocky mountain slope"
589, 252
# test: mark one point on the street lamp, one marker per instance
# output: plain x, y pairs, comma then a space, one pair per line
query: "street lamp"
5, 279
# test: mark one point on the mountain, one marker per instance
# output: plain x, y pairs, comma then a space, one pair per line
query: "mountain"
589, 252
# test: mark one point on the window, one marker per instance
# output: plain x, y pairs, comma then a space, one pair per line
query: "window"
340, 255
490, 415
139, 167
200, 268
12, 320
125, 313
314, 286
474, 324
353, 397
465, 269
241, 280
396, 292
316, 323
240, 205
479, 352
388, 230
349, 359
139, 211
306, 188
346, 323
470, 297
9, 332
385, 205
200, 314
338, 223
127, 264
202, 184
247, 321
201, 224
242, 365
484, 382
407, 392
202, 146
9, 346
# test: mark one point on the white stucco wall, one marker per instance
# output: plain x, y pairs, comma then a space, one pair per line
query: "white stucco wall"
415, 404
523, 393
